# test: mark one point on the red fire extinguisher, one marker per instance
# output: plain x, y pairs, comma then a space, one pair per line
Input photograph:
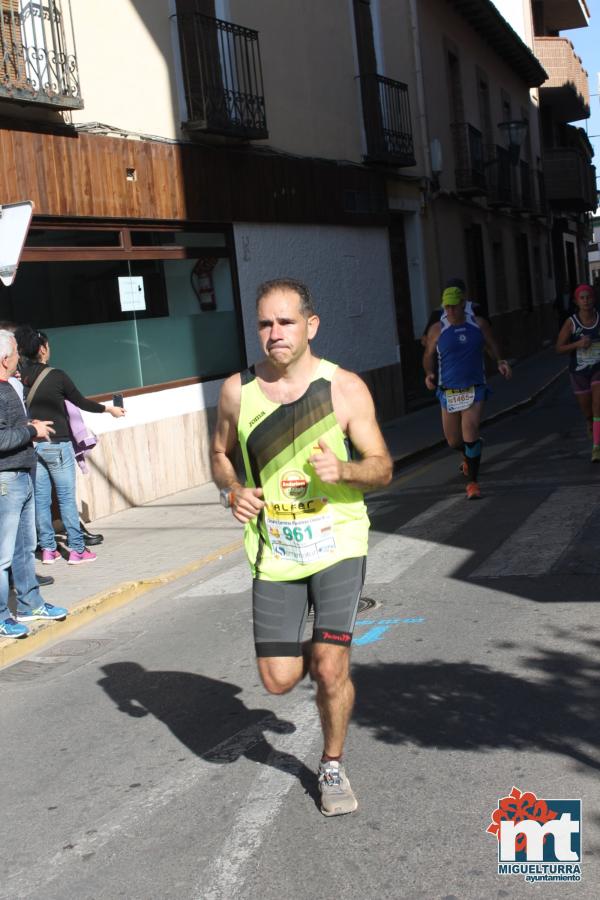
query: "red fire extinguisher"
203, 284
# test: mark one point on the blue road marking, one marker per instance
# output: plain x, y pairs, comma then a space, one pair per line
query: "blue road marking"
374, 634
380, 627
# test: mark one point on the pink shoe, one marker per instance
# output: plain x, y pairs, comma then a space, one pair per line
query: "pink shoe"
49, 557
75, 558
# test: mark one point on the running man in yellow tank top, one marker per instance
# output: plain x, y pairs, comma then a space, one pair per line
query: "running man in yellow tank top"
311, 445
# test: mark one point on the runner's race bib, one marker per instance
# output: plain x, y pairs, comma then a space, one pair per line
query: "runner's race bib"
459, 399
588, 356
299, 537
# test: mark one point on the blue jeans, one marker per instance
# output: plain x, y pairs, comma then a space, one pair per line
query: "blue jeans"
56, 465
17, 542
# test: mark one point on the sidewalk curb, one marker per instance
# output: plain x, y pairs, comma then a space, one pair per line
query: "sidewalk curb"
88, 609
413, 456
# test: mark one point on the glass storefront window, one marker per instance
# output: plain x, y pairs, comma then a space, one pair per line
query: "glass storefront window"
59, 237
176, 239
57, 294
182, 322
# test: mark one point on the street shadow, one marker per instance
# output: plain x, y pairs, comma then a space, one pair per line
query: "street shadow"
205, 715
534, 535
463, 706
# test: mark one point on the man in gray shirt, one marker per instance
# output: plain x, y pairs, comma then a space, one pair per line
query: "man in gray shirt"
17, 512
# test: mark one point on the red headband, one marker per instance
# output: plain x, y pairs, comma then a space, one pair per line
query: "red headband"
583, 287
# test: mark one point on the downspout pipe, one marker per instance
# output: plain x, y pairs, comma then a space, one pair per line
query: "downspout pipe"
422, 117
422, 109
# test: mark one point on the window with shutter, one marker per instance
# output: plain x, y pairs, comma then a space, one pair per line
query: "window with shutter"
37, 59
12, 67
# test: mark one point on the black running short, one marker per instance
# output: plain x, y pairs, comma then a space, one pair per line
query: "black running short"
281, 608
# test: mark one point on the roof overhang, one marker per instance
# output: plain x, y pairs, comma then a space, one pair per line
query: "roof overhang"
484, 18
560, 15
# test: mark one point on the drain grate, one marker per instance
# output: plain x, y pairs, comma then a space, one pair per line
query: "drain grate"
77, 647
364, 604
28, 670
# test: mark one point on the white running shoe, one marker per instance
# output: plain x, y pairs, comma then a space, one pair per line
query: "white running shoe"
337, 797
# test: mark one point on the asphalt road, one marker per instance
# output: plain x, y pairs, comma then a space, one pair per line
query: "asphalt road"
142, 758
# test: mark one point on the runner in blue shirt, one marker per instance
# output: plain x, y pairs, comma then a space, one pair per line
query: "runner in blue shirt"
456, 344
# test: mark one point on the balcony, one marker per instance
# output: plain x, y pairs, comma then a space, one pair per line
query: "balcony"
37, 54
468, 158
498, 176
386, 111
222, 77
570, 179
559, 15
566, 90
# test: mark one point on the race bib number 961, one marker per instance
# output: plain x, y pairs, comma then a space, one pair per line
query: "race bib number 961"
302, 539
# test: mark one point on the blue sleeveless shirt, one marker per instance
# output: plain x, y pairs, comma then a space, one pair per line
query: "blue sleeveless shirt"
460, 353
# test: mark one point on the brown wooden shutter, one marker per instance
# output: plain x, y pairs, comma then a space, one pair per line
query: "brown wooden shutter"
201, 61
367, 65
12, 63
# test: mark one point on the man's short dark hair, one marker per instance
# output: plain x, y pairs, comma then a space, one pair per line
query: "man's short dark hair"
307, 305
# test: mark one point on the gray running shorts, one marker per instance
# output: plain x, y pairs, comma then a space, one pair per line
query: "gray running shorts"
280, 608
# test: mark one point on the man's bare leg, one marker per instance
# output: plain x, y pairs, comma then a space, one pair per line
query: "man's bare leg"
280, 674
330, 669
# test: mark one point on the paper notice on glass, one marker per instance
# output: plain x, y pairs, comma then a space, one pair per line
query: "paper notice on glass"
131, 292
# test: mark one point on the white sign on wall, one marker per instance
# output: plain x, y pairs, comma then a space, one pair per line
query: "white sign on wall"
14, 225
131, 292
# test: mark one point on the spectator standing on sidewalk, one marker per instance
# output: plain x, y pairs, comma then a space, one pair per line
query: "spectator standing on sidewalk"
17, 384
47, 389
17, 514
14, 380
294, 417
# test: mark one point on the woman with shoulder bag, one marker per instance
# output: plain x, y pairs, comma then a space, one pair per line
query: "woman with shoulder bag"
47, 389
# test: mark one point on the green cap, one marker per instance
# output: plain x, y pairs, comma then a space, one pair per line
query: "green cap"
452, 296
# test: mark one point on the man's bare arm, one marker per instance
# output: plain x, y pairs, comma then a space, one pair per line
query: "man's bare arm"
429, 355
355, 410
492, 347
246, 502
225, 438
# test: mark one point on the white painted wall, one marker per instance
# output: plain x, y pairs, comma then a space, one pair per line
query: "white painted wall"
156, 406
127, 64
349, 273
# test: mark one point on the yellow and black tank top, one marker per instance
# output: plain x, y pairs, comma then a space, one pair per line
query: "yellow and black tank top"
306, 525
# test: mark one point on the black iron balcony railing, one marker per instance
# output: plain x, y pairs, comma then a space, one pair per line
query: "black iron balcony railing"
38, 63
222, 76
526, 186
386, 111
468, 156
498, 176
